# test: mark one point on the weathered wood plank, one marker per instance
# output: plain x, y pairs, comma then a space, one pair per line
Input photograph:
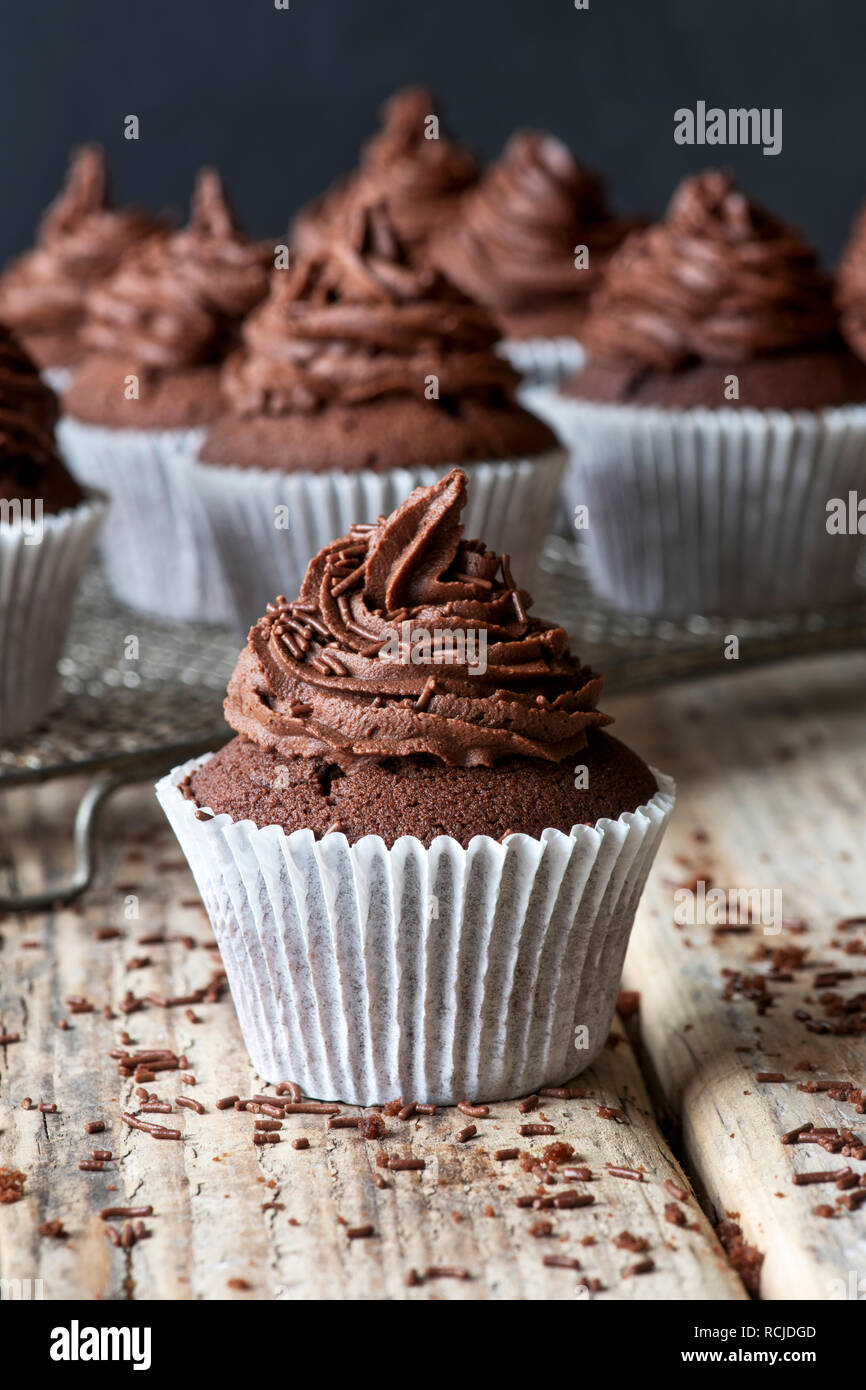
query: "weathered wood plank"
210, 1236
771, 771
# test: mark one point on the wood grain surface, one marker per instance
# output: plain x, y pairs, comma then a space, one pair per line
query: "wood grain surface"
771, 772
771, 769
231, 1220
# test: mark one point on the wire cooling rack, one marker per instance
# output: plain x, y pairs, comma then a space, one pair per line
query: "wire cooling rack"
632, 651
133, 689
137, 697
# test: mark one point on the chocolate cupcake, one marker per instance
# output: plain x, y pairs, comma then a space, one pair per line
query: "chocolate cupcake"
719, 413
47, 527
360, 376
422, 852
851, 289
411, 164
158, 332
531, 242
81, 240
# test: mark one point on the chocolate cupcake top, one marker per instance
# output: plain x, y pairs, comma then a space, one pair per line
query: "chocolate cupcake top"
29, 463
358, 322
851, 288
719, 280
418, 174
512, 246
82, 238
405, 640
177, 301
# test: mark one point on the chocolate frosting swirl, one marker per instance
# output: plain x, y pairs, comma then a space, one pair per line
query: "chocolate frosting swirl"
81, 241
719, 280
177, 301
28, 407
30, 466
512, 244
311, 681
359, 321
420, 179
851, 288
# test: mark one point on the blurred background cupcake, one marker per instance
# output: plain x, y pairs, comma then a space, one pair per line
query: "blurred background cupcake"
81, 240
360, 376
719, 414
47, 527
531, 241
412, 892
157, 333
851, 288
412, 165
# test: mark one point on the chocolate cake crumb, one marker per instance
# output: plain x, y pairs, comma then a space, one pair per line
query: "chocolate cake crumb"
745, 1259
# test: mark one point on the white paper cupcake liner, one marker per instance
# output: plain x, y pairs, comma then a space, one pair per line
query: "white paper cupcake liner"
58, 378
510, 505
38, 584
365, 973
543, 361
156, 543
712, 511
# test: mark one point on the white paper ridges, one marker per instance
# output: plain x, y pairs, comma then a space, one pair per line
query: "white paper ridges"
364, 973
712, 511
58, 378
267, 525
38, 584
156, 544
543, 361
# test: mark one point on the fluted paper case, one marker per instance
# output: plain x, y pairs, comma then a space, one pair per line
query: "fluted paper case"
156, 544
38, 585
364, 973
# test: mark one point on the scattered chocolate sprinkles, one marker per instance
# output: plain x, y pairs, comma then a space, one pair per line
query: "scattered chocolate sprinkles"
426, 695
675, 1190
189, 1104
614, 1171
446, 1272
828, 1175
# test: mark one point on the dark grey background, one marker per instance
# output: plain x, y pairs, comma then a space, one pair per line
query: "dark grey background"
280, 100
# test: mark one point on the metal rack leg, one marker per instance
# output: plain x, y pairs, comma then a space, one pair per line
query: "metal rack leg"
86, 818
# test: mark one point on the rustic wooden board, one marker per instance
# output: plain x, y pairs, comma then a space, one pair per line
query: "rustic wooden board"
209, 1193
771, 769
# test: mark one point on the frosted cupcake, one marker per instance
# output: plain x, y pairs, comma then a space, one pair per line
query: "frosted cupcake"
718, 417
412, 165
81, 240
851, 289
531, 242
47, 528
158, 332
360, 376
422, 853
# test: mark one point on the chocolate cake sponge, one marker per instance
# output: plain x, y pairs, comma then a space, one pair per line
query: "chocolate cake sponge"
421, 796
396, 432
562, 320
181, 399
815, 380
